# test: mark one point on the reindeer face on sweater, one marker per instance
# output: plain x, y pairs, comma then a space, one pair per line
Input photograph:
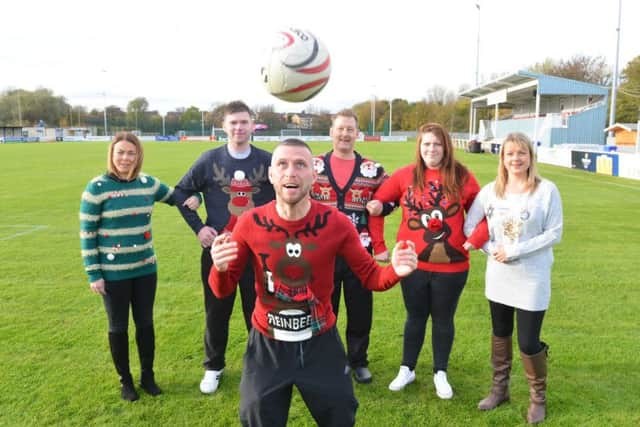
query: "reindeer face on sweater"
292, 269
240, 188
430, 218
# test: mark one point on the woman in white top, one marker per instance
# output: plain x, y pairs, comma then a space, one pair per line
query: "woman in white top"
524, 215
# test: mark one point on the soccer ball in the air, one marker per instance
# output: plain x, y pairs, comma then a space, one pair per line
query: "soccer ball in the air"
298, 66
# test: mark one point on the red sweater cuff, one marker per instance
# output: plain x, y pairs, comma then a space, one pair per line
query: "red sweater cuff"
480, 235
379, 247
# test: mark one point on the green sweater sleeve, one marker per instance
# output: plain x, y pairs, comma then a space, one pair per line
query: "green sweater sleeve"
90, 215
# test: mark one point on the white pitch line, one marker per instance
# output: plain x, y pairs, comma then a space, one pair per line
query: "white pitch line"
31, 229
593, 179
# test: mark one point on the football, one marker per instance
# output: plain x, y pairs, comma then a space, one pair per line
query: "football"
298, 66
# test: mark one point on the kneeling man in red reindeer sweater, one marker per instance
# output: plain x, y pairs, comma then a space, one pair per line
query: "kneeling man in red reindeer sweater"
293, 242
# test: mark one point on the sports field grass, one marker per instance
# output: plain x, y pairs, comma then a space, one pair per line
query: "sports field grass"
55, 367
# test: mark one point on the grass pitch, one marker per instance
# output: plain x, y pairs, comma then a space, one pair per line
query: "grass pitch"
55, 367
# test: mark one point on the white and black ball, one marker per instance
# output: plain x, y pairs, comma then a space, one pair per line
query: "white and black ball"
298, 66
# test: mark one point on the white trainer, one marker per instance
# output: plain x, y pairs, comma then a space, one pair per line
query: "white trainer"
210, 381
405, 376
443, 389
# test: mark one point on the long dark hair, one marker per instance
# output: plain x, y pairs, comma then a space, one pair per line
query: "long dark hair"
454, 174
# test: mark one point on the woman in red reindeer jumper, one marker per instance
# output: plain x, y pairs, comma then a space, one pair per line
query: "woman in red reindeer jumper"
435, 192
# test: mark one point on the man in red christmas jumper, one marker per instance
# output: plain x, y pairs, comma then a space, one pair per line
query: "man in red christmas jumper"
293, 243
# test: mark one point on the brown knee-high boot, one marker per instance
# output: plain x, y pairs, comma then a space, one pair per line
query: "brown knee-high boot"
501, 359
535, 368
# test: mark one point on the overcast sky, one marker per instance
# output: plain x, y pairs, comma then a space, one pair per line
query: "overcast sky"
195, 52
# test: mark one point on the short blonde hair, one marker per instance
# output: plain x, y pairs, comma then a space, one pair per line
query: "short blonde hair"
533, 179
131, 138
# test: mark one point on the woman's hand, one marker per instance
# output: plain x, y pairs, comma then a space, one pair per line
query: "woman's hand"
98, 287
499, 254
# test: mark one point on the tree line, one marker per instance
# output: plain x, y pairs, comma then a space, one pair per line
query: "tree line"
19, 107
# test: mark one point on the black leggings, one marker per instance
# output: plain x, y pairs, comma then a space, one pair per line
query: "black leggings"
529, 326
139, 292
430, 294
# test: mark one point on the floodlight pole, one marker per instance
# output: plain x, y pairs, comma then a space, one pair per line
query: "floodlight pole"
390, 109
163, 128
614, 84
104, 94
202, 121
390, 114
373, 112
478, 46
19, 108
105, 114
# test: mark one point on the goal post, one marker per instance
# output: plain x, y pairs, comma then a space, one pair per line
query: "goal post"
218, 134
290, 132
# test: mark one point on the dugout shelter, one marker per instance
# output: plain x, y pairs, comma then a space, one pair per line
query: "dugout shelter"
550, 110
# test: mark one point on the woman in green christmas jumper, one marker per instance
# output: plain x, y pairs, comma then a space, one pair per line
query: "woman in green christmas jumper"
117, 249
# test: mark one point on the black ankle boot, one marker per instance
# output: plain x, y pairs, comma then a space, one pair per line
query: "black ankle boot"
128, 391
148, 384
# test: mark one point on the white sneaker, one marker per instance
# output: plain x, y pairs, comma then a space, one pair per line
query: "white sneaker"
210, 381
443, 389
405, 376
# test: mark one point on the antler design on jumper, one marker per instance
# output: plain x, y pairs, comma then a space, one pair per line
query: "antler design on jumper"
416, 208
319, 223
269, 224
258, 175
220, 177
436, 194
